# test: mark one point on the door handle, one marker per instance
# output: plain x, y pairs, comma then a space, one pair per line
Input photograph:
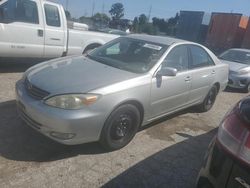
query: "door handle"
40, 32
187, 79
213, 71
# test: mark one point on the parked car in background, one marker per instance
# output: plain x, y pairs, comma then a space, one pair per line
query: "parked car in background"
227, 162
127, 83
39, 29
239, 65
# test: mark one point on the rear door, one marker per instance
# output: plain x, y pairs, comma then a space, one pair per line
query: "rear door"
55, 30
170, 93
203, 73
21, 30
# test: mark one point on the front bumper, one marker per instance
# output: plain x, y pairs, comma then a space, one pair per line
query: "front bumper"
238, 81
74, 126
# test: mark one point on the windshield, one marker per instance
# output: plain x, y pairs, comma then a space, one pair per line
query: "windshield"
128, 54
236, 56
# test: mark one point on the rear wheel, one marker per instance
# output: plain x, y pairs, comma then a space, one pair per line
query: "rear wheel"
208, 102
120, 128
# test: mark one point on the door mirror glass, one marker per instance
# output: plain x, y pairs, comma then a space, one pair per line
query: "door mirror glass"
167, 71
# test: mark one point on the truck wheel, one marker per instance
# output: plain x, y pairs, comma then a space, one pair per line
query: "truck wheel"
120, 127
247, 89
208, 102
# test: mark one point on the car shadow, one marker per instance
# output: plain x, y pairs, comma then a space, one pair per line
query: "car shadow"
17, 65
233, 90
21, 143
176, 166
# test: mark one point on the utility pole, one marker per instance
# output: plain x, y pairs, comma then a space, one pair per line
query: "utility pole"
149, 13
67, 4
93, 8
103, 7
102, 21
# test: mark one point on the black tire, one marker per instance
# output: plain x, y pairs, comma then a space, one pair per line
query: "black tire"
247, 88
208, 102
120, 127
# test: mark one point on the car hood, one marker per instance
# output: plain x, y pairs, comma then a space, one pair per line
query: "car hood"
75, 75
234, 66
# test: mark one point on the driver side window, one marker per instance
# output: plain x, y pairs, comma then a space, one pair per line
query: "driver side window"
177, 58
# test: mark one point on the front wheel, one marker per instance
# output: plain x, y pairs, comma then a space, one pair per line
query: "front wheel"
208, 102
120, 127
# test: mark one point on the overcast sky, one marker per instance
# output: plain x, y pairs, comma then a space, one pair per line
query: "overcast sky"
160, 8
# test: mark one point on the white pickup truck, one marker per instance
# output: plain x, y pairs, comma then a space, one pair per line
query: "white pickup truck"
39, 29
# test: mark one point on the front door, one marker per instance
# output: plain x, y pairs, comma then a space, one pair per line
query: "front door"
21, 30
171, 93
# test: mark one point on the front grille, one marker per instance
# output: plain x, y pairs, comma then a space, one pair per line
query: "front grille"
34, 91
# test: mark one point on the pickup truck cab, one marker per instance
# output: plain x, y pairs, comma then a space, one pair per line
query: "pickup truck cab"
39, 29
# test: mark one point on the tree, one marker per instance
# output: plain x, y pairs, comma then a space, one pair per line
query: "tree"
101, 17
142, 19
161, 24
136, 25
117, 11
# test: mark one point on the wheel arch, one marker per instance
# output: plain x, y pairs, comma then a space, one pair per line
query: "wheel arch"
92, 46
217, 84
134, 102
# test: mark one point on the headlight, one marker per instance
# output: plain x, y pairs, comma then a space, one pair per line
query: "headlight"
72, 101
244, 71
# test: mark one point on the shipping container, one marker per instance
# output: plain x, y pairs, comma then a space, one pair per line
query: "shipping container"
190, 26
226, 30
246, 40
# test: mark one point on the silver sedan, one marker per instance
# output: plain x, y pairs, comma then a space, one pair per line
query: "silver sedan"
239, 65
127, 83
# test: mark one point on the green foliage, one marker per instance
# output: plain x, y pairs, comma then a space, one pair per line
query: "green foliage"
101, 17
68, 15
143, 19
117, 11
141, 25
166, 26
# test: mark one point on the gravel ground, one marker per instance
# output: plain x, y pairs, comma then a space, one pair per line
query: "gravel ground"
167, 153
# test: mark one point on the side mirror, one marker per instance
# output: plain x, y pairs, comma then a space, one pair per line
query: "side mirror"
167, 71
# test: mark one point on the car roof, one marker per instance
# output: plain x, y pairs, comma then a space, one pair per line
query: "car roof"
156, 39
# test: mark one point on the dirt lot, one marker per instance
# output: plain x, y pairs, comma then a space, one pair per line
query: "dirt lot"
167, 153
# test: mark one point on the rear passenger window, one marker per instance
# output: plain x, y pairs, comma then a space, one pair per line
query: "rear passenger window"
199, 57
177, 58
52, 15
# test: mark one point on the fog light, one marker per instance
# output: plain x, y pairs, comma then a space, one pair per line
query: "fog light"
62, 136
